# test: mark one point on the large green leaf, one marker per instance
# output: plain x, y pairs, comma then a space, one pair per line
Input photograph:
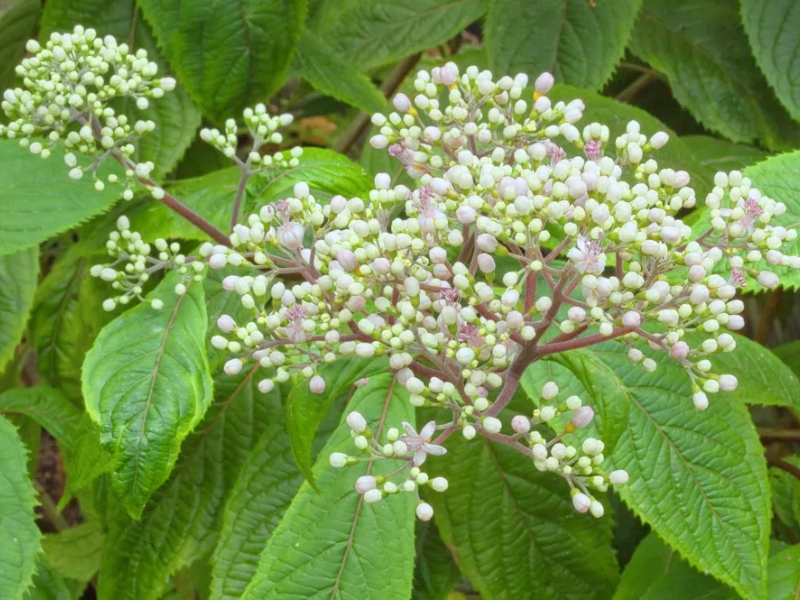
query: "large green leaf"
180, 523
609, 396
513, 529
367, 34
16, 28
175, 116
714, 155
18, 275
657, 572
701, 47
326, 173
75, 552
698, 478
333, 544
305, 410
19, 535
330, 74
790, 355
435, 571
146, 382
784, 574
578, 41
49, 585
39, 200
266, 485
227, 57
48, 407
771, 27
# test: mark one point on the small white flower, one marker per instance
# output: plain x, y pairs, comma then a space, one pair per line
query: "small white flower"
419, 443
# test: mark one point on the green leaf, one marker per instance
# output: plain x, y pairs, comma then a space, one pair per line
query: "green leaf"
763, 378
333, 544
698, 478
333, 76
576, 40
368, 34
656, 572
790, 355
47, 584
19, 535
75, 552
48, 407
513, 529
227, 57
39, 200
771, 28
784, 574
327, 173
701, 48
175, 116
305, 410
264, 490
714, 155
146, 382
435, 572
608, 394
18, 275
777, 177
676, 154
16, 27
180, 523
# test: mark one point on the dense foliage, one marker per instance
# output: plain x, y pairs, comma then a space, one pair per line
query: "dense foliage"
409, 299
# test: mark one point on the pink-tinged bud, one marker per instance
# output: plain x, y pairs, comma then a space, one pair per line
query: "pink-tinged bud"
697, 273
619, 477
581, 502
381, 266
379, 142
466, 215
401, 103
670, 235
514, 319
679, 350
424, 511
486, 263
226, 323
576, 314
291, 234
347, 260
631, 319
728, 383
521, 424
316, 385
233, 366
735, 322
681, 179
356, 422
583, 416
544, 83
362, 382
659, 140
487, 243
365, 483
356, 303
229, 283
767, 279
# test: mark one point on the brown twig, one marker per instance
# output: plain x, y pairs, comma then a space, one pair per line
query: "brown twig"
640, 83
784, 466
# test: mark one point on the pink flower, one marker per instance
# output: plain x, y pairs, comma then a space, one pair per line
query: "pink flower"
593, 150
419, 443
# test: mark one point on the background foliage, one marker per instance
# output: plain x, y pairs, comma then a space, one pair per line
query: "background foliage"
131, 468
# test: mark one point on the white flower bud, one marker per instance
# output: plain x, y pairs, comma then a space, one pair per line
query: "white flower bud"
550, 390
659, 140
373, 496
700, 401
338, 460
521, 424
728, 383
356, 422
583, 416
581, 502
492, 425
365, 483
424, 511
544, 83
596, 509
316, 385
619, 477
439, 484
233, 366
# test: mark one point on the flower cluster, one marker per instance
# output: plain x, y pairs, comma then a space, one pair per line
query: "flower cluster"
133, 265
70, 84
524, 237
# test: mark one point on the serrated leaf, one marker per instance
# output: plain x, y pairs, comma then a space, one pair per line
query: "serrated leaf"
784, 574
75, 552
39, 200
534, 545
368, 34
47, 584
333, 76
19, 535
264, 490
609, 397
19, 273
227, 59
16, 28
327, 173
48, 407
435, 570
657, 572
146, 382
305, 410
180, 523
175, 115
714, 155
333, 544
771, 28
699, 479
578, 41
763, 377
701, 48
